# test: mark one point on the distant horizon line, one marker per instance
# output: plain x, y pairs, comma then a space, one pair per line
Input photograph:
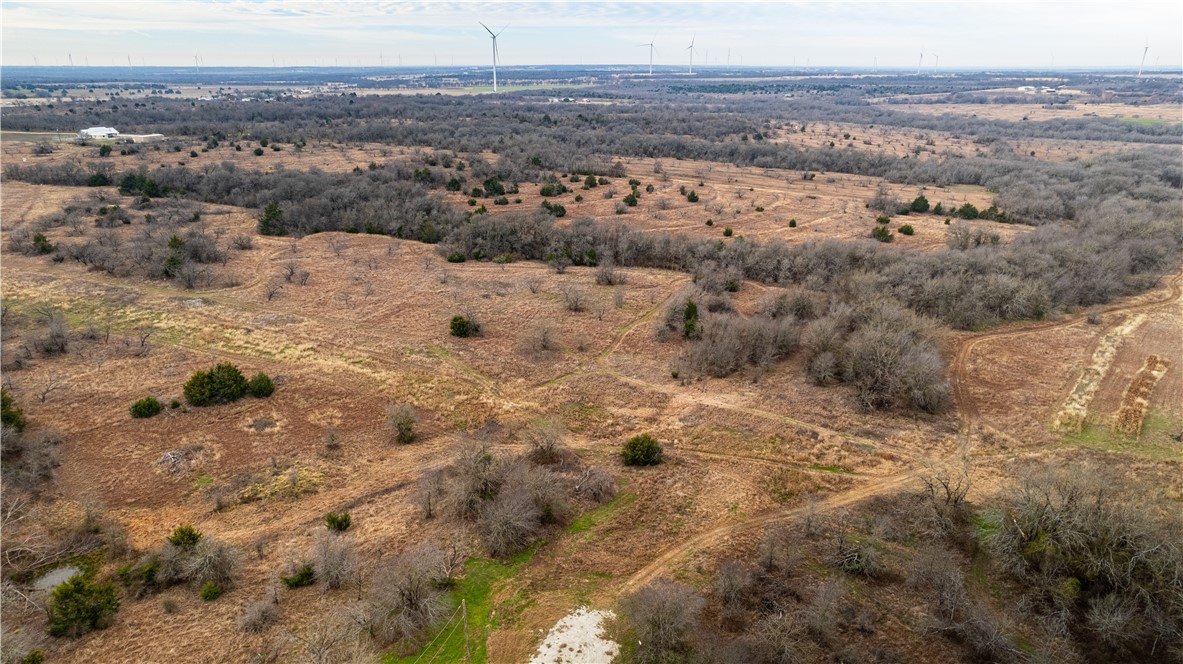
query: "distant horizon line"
639, 67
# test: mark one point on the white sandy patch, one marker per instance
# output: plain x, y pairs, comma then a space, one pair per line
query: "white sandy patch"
577, 639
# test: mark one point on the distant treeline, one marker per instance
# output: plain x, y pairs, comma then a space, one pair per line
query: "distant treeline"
1126, 234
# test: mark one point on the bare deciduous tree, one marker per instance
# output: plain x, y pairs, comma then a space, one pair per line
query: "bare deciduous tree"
595, 484
733, 581
821, 611
54, 380
541, 338
338, 245
545, 439
328, 639
663, 614
334, 559
948, 482
509, 522
404, 598
574, 296
430, 493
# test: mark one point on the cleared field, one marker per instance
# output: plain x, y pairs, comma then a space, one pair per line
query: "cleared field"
1014, 112
929, 144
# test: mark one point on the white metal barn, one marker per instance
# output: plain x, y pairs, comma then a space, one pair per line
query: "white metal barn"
98, 132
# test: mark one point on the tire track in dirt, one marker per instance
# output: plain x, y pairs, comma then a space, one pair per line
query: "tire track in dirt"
721, 534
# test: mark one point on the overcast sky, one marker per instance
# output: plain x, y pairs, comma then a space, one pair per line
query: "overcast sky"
968, 34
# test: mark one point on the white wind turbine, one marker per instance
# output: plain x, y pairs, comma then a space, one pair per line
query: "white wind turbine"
938, 61
494, 36
691, 49
1143, 63
919, 64
651, 49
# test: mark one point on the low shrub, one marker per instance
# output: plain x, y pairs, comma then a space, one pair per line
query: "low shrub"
210, 591
304, 576
10, 414
259, 616
184, 537
146, 407
42, 245
261, 386
222, 384
462, 327
881, 233
400, 421
80, 605
906, 229
642, 450
338, 522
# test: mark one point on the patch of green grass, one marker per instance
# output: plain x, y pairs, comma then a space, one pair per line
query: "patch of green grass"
1156, 441
482, 576
831, 469
203, 482
435, 350
984, 526
603, 513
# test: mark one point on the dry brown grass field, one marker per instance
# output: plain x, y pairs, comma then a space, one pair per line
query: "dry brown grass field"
370, 327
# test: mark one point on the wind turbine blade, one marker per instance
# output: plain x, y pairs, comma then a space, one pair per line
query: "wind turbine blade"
487, 29
502, 30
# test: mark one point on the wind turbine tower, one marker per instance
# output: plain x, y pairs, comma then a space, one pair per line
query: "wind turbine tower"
921, 63
691, 49
651, 47
494, 36
938, 61
1143, 63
